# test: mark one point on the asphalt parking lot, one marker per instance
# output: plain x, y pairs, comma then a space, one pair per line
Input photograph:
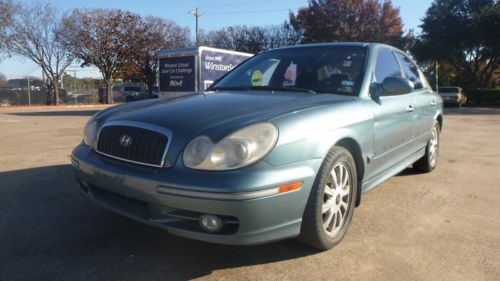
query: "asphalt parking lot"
439, 226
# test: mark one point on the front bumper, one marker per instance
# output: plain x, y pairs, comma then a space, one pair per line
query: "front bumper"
174, 198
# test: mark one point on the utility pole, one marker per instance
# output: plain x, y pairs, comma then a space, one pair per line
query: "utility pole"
437, 76
197, 13
29, 92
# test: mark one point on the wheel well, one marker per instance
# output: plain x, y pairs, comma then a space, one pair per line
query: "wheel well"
440, 121
355, 150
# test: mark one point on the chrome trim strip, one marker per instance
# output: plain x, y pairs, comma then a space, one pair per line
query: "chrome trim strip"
217, 195
158, 129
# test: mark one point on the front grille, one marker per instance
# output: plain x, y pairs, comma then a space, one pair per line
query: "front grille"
133, 144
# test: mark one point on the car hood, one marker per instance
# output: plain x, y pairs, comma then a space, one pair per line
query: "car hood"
201, 113
215, 115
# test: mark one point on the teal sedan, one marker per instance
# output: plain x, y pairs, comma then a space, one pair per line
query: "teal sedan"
283, 146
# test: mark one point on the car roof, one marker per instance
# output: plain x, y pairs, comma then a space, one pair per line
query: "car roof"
352, 44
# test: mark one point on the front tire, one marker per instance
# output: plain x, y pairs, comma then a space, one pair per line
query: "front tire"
330, 206
429, 161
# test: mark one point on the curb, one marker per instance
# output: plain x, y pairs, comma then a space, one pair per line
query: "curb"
57, 107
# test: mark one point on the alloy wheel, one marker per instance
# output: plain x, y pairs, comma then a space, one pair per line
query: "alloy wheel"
434, 146
336, 199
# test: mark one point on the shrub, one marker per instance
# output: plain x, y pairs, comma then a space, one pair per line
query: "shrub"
483, 96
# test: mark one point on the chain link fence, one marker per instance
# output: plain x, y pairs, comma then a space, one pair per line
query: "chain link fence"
24, 92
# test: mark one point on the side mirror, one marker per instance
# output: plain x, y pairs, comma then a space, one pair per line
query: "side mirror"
396, 86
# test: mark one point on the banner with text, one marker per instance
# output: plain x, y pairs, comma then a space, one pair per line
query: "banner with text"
215, 64
177, 74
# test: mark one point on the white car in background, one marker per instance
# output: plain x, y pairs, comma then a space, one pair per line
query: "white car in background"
128, 93
452, 96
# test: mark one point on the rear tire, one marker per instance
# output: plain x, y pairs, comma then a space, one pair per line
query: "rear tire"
331, 203
429, 161
129, 99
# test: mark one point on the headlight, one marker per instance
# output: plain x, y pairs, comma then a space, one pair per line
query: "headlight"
241, 148
90, 131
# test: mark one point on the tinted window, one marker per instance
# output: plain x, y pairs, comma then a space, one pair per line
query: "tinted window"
411, 70
448, 90
323, 69
132, 89
387, 66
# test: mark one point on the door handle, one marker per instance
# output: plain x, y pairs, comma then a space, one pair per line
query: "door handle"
433, 102
410, 108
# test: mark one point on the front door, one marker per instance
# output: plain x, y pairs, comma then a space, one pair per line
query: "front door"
394, 124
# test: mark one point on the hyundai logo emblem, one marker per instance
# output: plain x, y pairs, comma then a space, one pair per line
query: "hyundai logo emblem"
125, 140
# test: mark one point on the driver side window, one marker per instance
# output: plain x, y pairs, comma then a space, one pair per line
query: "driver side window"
386, 66
411, 70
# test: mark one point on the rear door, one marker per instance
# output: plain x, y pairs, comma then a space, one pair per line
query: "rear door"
393, 117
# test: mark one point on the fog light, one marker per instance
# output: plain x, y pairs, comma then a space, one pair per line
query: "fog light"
211, 223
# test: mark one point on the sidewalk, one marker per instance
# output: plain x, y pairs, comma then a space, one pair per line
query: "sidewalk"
58, 107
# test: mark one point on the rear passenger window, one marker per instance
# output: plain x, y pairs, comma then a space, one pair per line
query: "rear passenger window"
387, 66
411, 70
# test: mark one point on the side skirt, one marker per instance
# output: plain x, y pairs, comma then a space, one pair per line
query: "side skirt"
394, 170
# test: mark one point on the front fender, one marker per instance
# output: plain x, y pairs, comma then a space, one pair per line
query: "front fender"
310, 134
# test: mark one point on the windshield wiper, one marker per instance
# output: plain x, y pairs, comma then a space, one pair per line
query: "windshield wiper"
281, 88
263, 88
240, 88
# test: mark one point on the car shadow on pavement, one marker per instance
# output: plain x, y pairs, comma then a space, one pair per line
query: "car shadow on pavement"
57, 113
49, 232
409, 171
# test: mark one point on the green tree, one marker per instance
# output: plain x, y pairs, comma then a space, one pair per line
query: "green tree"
464, 34
349, 20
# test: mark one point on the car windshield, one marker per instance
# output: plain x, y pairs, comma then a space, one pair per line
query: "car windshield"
315, 69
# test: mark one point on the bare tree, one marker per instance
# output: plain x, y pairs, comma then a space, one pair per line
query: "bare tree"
152, 35
281, 36
101, 37
7, 10
35, 34
252, 39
